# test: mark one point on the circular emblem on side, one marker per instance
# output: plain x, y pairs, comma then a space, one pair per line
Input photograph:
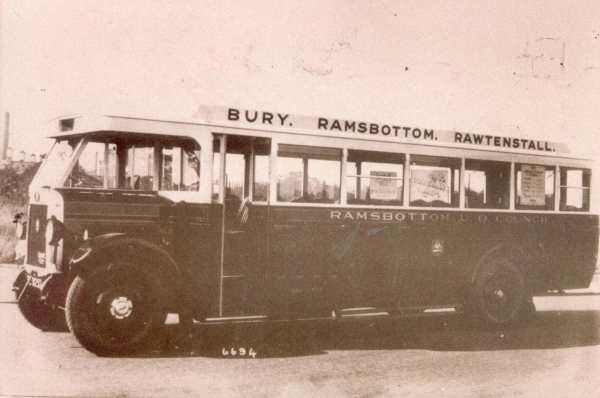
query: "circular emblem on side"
437, 247
36, 196
37, 225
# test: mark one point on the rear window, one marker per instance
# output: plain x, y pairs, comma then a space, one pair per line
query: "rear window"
574, 189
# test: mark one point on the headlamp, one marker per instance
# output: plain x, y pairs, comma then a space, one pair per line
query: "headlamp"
20, 221
54, 231
20, 230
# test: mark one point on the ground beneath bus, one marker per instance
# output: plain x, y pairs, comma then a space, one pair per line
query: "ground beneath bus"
557, 355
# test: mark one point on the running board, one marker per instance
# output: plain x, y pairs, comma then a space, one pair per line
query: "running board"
412, 312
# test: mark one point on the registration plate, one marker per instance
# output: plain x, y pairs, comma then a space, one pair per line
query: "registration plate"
36, 282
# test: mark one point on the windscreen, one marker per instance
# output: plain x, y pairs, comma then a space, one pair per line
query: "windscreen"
55, 166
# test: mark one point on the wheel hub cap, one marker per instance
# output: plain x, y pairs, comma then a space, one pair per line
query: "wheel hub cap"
121, 307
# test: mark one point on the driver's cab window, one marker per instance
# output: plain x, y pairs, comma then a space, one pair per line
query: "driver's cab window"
180, 168
141, 162
139, 173
97, 160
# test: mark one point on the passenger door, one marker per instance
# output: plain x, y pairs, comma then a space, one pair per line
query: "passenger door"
240, 181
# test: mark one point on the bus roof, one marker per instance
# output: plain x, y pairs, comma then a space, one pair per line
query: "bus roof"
272, 122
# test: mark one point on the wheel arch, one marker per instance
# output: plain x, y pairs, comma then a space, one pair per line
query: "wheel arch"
510, 256
92, 255
509, 252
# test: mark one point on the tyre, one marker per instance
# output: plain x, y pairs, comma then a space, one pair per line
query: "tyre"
499, 296
117, 311
36, 312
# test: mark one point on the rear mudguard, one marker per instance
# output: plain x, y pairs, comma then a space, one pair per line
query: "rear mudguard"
510, 252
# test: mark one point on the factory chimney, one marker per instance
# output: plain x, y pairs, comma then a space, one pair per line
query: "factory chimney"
4, 141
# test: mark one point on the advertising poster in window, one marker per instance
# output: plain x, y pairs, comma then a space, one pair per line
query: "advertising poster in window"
384, 188
533, 189
430, 184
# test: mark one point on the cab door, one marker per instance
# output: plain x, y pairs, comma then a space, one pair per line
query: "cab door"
240, 179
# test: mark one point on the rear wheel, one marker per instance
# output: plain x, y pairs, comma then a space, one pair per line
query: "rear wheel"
116, 311
499, 297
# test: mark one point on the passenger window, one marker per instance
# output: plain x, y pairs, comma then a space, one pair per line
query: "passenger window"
434, 181
89, 170
575, 189
139, 172
487, 184
216, 172
247, 164
180, 168
375, 178
308, 174
535, 187
261, 178
234, 176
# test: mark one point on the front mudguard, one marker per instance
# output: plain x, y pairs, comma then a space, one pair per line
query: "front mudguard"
53, 290
97, 255
87, 256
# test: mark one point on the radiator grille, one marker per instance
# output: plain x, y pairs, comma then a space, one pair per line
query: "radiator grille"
36, 235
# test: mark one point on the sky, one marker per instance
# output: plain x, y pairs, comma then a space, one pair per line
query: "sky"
509, 68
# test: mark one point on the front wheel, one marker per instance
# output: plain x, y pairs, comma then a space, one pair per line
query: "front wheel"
499, 296
116, 311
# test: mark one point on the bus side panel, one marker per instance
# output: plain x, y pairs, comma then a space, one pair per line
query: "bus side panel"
194, 240
420, 258
572, 253
367, 257
304, 257
554, 251
329, 258
245, 265
431, 264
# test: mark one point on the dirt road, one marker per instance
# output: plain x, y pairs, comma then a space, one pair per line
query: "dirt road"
557, 355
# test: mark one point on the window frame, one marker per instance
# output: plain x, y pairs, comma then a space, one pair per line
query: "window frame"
327, 154
369, 156
454, 164
216, 185
586, 206
550, 207
457, 164
123, 146
472, 164
183, 169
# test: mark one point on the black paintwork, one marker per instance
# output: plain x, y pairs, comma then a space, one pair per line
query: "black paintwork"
297, 261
